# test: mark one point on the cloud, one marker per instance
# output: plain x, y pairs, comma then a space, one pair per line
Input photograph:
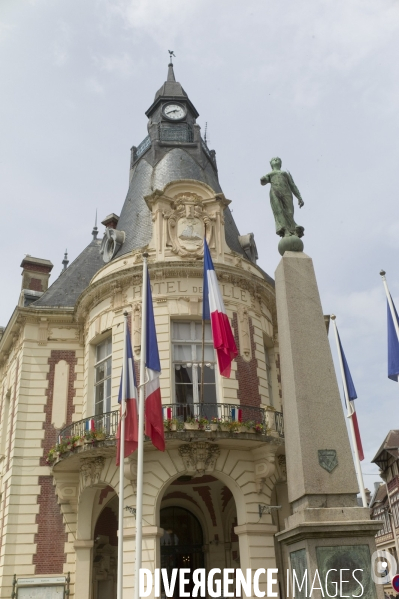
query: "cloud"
62, 43
121, 65
94, 86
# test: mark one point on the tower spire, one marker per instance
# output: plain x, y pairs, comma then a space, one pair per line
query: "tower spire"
171, 74
95, 229
65, 261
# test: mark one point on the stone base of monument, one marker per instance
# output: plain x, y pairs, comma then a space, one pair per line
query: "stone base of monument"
331, 548
291, 243
327, 531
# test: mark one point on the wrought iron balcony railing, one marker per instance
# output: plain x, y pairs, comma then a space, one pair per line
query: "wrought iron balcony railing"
108, 423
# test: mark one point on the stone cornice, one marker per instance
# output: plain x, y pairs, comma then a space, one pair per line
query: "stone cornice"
120, 280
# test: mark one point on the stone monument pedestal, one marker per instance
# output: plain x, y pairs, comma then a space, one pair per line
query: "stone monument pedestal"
327, 531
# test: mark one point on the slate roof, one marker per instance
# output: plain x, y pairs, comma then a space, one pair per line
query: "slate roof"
390, 447
177, 164
65, 290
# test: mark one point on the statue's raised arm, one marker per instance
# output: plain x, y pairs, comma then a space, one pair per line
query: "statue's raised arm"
282, 189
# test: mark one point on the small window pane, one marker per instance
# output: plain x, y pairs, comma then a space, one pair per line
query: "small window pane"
181, 330
183, 374
209, 375
100, 372
209, 353
183, 353
198, 331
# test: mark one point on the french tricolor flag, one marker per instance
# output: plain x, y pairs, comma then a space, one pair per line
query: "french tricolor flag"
213, 309
131, 419
352, 395
153, 404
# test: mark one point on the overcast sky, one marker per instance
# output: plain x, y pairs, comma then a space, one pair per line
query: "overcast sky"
313, 82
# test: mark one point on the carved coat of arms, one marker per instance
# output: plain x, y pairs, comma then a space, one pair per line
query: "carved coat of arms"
328, 459
188, 224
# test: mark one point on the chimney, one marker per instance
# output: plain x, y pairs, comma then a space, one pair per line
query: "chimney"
35, 273
110, 221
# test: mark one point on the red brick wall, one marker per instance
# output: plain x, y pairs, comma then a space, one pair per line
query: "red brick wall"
36, 285
248, 380
51, 535
107, 524
51, 433
36, 268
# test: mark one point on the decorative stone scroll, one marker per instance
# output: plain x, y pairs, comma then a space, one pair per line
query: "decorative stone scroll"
199, 457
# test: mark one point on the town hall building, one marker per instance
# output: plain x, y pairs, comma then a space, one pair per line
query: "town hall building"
206, 498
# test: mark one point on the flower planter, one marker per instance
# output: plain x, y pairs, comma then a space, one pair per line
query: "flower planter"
69, 447
191, 426
79, 443
225, 428
100, 437
251, 430
88, 441
214, 426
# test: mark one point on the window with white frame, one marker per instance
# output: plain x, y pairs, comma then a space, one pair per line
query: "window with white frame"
269, 375
187, 363
102, 378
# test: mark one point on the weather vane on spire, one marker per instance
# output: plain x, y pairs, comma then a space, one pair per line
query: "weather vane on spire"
171, 53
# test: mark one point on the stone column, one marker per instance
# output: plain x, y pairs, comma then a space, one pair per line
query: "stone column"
84, 561
151, 557
326, 529
256, 542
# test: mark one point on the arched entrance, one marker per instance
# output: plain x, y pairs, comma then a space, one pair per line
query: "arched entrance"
105, 550
182, 541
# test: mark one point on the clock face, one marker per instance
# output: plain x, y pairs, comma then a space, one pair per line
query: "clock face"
174, 111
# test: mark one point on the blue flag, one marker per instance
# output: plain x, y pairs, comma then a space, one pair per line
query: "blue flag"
208, 265
393, 346
348, 377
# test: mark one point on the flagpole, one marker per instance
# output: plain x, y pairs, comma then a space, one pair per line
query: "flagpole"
349, 415
119, 585
202, 363
390, 303
140, 449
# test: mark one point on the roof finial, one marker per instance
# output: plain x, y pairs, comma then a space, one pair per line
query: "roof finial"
65, 261
171, 74
95, 229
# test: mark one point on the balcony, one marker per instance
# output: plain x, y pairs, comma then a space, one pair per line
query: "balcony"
182, 422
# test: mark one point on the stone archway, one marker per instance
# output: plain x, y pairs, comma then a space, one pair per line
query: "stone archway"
212, 505
105, 549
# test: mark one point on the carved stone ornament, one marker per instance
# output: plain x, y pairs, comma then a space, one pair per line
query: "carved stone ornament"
90, 471
112, 241
328, 459
199, 457
187, 224
265, 467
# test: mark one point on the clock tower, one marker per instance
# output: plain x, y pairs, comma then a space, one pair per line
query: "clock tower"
172, 151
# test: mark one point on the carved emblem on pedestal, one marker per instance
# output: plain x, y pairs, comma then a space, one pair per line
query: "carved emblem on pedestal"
328, 459
199, 457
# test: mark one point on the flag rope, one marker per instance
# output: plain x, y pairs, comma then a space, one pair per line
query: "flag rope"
350, 413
